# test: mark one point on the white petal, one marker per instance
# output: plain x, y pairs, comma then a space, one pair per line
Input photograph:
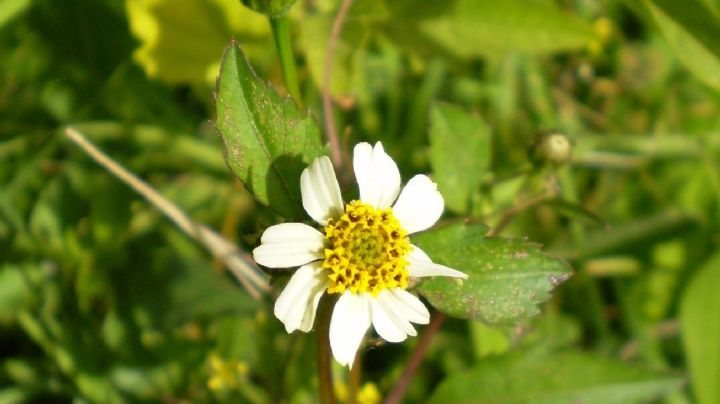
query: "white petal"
289, 245
377, 175
297, 303
420, 205
388, 319
349, 323
321, 196
409, 305
421, 265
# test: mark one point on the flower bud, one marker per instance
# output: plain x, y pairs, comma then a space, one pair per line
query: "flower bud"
553, 148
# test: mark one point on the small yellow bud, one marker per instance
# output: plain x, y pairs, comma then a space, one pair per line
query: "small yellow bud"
554, 148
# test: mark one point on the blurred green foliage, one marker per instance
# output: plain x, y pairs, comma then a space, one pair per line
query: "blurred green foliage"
103, 300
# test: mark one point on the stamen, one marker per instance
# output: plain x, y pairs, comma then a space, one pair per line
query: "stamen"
367, 250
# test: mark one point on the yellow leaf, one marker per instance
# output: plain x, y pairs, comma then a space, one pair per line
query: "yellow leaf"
182, 41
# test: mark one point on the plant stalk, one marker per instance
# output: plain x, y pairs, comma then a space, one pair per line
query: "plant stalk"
355, 378
281, 34
413, 364
324, 360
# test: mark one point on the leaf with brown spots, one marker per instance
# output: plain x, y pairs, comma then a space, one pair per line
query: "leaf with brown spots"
268, 141
508, 278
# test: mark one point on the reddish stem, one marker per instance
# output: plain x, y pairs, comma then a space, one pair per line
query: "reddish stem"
398, 392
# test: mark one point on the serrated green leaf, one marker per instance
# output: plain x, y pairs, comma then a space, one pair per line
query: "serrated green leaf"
508, 278
700, 320
694, 45
567, 377
268, 142
458, 170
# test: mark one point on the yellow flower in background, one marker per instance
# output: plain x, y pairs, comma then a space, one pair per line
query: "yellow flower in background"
603, 27
603, 30
181, 41
225, 375
369, 394
363, 252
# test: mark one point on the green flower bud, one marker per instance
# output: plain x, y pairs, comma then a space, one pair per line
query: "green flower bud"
553, 148
271, 8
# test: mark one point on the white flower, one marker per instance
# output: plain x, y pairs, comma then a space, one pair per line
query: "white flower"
363, 252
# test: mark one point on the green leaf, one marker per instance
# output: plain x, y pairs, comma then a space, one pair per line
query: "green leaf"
469, 28
489, 341
696, 46
146, 383
508, 278
626, 236
694, 16
9, 9
16, 289
271, 8
15, 395
267, 140
567, 377
458, 170
700, 320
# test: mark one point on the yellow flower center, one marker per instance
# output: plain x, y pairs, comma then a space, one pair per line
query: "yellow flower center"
367, 250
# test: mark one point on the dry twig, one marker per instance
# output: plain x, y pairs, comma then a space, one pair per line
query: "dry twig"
237, 261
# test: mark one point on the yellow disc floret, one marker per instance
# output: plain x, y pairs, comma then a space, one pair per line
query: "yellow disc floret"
367, 249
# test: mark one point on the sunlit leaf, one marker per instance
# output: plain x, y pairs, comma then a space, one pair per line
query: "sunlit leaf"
16, 289
700, 319
697, 18
268, 142
182, 40
692, 43
9, 9
508, 278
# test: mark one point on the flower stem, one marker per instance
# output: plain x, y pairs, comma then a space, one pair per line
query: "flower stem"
330, 130
355, 378
324, 360
281, 33
398, 392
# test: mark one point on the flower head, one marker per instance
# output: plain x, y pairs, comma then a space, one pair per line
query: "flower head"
363, 252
